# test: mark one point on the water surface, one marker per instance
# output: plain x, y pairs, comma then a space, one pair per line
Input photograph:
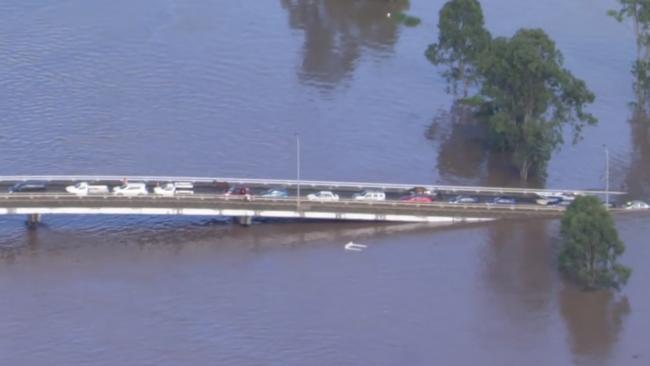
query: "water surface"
220, 89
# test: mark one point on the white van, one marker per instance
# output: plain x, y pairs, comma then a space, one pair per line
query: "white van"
171, 189
83, 189
131, 189
184, 187
370, 196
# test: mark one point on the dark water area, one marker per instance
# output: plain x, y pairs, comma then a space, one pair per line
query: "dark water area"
219, 89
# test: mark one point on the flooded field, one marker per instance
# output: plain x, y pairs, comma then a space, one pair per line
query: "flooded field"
219, 89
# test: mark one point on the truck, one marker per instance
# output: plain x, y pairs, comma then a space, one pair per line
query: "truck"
84, 189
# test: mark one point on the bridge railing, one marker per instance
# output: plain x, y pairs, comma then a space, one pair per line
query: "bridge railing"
45, 198
302, 183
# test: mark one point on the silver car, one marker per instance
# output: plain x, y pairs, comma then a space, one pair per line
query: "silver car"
636, 205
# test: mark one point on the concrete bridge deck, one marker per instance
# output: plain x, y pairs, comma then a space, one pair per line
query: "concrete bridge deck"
209, 200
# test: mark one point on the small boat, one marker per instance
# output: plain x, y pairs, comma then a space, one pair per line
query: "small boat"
355, 247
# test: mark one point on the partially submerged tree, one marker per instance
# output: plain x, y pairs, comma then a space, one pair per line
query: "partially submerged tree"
462, 38
638, 11
591, 246
529, 97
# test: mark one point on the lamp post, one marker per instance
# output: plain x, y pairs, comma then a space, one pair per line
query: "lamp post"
298, 171
606, 176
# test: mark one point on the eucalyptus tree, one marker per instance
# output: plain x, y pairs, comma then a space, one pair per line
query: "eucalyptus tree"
462, 38
528, 97
591, 246
638, 11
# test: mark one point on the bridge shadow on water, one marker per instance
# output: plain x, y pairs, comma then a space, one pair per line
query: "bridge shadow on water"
58, 234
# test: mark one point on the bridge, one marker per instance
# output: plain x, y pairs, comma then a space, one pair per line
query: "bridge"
213, 197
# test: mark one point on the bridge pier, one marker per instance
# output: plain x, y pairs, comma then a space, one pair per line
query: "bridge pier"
33, 220
245, 220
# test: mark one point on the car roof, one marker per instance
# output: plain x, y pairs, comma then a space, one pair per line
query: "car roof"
31, 182
635, 202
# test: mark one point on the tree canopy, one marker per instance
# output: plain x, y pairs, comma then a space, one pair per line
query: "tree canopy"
529, 97
591, 246
525, 93
461, 39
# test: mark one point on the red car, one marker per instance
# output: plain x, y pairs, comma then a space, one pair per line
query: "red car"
419, 198
238, 191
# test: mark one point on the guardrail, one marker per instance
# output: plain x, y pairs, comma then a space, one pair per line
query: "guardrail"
302, 183
189, 198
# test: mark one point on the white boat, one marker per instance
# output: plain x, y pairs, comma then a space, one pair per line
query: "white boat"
355, 247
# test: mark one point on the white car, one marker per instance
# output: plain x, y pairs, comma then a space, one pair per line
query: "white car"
171, 189
564, 196
131, 189
323, 196
370, 196
636, 205
83, 189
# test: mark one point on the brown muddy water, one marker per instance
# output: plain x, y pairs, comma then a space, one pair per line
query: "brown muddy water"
219, 88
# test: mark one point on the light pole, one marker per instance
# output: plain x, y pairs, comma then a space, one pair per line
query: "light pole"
298, 171
606, 176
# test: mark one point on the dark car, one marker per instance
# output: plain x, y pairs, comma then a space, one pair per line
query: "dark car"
464, 199
504, 201
28, 186
221, 186
420, 190
418, 198
238, 191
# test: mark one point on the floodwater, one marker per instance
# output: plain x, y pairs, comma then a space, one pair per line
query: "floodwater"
219, 89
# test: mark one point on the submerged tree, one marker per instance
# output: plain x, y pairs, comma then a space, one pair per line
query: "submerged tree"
528, 97
591, 246
639, 12
461, 40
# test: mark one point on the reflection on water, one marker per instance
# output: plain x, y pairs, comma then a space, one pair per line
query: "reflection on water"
594, 321
521, 291
336, 32
637, 181
464, 157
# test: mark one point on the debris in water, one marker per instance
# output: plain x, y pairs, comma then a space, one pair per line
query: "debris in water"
352, 246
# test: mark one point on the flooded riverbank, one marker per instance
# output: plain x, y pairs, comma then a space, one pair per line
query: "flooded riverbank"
173, 88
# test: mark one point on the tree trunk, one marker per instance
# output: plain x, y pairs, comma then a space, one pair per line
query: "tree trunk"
637, 33
592, 270
461, 76
524, 167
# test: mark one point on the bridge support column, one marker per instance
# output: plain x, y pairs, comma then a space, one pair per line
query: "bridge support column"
33, 220
245, 220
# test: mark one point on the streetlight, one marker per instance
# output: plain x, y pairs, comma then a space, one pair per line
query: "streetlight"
298, 171
606, 176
